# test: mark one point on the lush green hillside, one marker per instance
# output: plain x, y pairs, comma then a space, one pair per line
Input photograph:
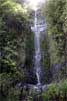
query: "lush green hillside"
56, 17
16, 42
55, 13
17, 51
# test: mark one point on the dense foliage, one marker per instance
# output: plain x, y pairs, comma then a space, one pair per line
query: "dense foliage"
56, 17
56, 91
55, 13
16, 48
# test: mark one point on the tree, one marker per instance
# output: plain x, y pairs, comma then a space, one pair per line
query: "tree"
15, 36
53, 12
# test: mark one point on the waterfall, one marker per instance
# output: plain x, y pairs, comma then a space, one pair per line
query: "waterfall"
37, 28
37, 64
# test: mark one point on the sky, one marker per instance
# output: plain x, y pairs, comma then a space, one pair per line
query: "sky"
34, 3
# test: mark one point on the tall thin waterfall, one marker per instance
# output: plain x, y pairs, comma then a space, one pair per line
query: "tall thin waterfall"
37, 63
37, 28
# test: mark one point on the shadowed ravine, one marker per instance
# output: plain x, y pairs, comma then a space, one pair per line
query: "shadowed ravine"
38, 27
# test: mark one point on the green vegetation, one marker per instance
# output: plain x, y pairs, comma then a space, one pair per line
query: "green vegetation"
56, 91
56, 18
55, 13
16, 42
17, 49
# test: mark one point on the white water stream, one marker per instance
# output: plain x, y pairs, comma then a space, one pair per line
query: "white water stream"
37, 63
37, 58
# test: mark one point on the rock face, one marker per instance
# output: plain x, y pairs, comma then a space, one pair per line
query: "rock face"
31, 77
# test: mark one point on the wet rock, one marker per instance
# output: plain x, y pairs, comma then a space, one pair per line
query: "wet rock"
31, 77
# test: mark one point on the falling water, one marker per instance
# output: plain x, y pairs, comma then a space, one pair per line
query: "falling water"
37, 64
37, 29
